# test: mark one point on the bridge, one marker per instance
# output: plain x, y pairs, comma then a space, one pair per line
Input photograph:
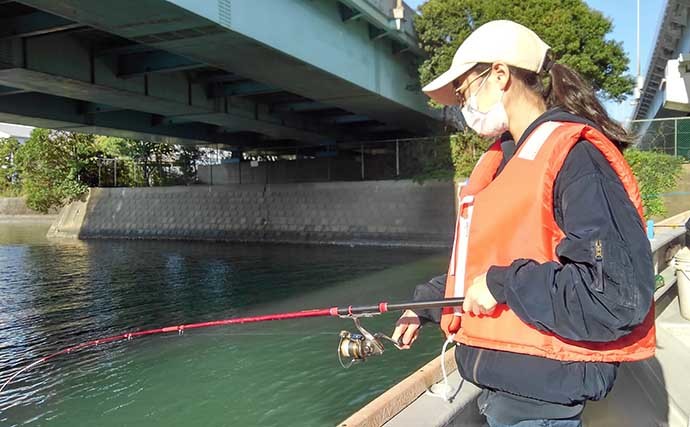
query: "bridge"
244, 73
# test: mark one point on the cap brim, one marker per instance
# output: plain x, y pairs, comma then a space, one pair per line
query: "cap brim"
441, 88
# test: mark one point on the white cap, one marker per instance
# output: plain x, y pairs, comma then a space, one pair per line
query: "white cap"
504, 41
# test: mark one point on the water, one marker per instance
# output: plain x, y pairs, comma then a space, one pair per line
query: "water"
57, 294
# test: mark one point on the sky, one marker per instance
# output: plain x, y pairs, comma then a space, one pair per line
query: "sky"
623, 14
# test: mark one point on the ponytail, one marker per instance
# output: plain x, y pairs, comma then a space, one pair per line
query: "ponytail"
567, 89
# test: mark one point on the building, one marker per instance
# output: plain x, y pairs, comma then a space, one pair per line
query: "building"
20, 132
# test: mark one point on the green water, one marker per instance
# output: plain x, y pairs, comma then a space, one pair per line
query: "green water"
57, 294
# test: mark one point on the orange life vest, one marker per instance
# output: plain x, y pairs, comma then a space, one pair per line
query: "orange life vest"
499, 223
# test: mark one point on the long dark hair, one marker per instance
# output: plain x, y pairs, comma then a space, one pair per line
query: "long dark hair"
567, 89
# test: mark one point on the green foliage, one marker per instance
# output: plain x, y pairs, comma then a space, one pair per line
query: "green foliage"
466, 148
55, 167
10, 185
188, 157
575, 32
146, 163
656, 173
427, 159
148, 158
108, 146
443, 158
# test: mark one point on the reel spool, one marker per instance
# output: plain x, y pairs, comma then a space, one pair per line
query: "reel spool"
358, 347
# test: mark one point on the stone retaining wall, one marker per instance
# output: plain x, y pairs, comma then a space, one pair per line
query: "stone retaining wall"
370, 212
16, 206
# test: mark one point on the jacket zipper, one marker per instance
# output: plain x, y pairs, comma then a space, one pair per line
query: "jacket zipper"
476, 365
599, 260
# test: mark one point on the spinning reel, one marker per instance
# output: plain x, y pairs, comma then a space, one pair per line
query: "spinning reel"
358, 347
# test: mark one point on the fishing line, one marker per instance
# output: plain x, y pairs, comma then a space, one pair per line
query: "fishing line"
354, 346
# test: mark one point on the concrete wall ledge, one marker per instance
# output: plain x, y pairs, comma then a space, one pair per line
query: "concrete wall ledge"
388, 213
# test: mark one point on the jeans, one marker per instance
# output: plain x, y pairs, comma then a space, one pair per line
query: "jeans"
503, 409
538, 423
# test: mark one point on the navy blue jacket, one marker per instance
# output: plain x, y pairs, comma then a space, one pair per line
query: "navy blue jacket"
578, 298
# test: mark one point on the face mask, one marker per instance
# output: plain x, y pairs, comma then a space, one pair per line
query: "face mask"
491, 123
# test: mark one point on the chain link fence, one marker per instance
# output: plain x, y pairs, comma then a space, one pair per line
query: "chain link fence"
670, 136
410, 158
405, 158
119, 172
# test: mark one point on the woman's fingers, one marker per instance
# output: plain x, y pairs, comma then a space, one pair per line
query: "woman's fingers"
407, 327
478, 298
410, 334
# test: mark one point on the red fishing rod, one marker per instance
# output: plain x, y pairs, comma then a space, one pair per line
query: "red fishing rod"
353, 346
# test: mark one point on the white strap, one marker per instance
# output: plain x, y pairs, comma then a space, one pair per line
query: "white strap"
462, 240
536, 140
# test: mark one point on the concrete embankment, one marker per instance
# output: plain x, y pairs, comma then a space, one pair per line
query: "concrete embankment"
400, 213
15, 209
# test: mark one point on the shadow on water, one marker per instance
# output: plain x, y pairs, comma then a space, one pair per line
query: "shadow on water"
283, 373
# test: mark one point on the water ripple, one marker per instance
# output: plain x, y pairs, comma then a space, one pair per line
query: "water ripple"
283, 373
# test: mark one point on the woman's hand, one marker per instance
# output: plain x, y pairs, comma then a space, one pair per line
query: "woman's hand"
478, 299
406, 327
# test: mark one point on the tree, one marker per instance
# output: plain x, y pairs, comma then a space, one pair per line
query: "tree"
656, 173
188, 157
149, 163
575, 32
147, 155
9, 175
56, 167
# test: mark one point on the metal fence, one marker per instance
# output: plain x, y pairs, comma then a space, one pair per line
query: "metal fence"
121, 172
668, 135
405, 158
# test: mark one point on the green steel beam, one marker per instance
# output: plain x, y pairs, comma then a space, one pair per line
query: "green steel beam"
300, 107
379, 128
56, 112
341, 67
157, 61
169, 95
34, 24
241, 88
5, 90
170, 99
347, 14
376, 33
352, 118
216, 77
385, 22
125, 49
398, 48
95, 108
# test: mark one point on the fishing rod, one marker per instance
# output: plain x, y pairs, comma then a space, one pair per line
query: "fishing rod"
356, 347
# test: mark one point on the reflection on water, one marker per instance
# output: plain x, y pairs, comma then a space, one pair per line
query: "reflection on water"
57, 294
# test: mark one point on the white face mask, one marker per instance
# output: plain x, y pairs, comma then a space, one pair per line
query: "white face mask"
491, 123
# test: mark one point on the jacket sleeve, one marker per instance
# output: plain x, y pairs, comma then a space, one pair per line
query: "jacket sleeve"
432, 290
603, 284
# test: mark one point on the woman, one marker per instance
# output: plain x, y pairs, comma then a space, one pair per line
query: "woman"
550, 249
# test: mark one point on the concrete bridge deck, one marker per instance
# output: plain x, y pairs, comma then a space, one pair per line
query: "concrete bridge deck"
245, 73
